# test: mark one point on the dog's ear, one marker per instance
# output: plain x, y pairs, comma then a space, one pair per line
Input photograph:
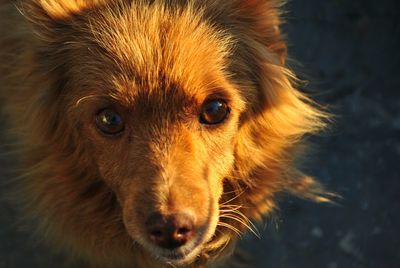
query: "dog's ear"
270, 142
271, 136
47, 11
263, 20
53, 26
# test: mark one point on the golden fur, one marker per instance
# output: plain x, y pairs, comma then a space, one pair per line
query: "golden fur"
156, 62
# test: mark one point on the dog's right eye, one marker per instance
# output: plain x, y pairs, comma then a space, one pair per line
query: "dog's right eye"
214, 112
109, 122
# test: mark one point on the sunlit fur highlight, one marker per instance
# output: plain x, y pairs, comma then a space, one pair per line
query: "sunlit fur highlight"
45, 48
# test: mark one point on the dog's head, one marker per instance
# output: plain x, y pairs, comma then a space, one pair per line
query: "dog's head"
183, 110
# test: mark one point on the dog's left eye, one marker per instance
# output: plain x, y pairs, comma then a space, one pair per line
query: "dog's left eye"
109, 122
214, 112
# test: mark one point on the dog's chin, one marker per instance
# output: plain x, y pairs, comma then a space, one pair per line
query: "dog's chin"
180, 258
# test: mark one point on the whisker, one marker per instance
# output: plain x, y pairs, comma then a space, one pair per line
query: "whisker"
235, 197
224, 246
172, 265
236, 209
245, 222
223, 224
228, 208
238, 212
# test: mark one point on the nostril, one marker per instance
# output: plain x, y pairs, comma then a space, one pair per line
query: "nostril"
156, 233
181, 235
170, 231
183, 231
155, 226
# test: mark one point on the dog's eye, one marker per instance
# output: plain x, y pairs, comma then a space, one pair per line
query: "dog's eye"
109, 122
214, 112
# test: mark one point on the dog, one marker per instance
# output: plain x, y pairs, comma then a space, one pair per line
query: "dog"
152, 132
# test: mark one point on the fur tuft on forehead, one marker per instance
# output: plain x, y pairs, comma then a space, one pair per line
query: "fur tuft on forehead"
170, 45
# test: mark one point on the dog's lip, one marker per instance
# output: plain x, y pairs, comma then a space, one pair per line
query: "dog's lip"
179, 255
174, 256
179, 258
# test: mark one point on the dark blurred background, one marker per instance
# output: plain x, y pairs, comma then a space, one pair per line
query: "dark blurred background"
349, 52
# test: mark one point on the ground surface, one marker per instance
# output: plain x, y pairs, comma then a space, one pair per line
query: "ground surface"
349, 51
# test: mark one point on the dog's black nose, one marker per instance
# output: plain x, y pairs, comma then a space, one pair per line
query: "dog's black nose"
170, 231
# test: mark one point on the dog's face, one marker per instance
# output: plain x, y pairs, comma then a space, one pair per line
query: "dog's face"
173, 101
152, 93
161, 115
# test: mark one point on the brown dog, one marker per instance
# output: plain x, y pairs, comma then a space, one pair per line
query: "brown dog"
151, 132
